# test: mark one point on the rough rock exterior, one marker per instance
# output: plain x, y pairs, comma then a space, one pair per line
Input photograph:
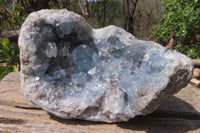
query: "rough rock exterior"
74, 71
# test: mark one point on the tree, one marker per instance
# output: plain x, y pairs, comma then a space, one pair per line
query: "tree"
182, 19
11, 15
85, 9
101, 12
104, 11
129, 8
29, 6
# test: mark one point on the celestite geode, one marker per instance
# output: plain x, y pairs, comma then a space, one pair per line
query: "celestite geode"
74, 71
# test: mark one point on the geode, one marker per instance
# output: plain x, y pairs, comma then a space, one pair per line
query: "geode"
77, 72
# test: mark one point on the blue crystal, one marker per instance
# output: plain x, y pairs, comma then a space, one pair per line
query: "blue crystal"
84, 57
59, 74
47, 31
51, 49
155, 62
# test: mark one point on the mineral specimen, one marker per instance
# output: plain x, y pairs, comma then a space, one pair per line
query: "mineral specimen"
76, 72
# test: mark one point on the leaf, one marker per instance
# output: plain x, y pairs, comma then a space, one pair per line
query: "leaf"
16, 47
51, 4
1, 46
3, 72
1, 2
11, 52
28, 1
6, 42
4, 56
12, 68
2, 69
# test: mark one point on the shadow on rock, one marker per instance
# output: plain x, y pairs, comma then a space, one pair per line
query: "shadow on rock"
173, 116
74, 121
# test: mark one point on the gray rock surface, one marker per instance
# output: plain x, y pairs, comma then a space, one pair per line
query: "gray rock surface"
74, 71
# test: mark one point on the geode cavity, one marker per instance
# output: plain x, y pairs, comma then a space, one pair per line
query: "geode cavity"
74, 71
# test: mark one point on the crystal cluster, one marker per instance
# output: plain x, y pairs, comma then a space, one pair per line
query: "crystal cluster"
74, 71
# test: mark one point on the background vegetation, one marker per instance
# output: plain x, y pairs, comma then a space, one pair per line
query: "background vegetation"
182, 20
9, 54
166, 19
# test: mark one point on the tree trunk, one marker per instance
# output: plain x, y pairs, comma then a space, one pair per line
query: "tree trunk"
130, 25
129, 8
85, 9
104, 10
124, 14
113, 12
98, 14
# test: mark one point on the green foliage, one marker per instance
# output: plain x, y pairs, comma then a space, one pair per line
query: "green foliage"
11, 15
9, 57
193, 53
181, 18
51, 4
5, 70
103, 24
28, 1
